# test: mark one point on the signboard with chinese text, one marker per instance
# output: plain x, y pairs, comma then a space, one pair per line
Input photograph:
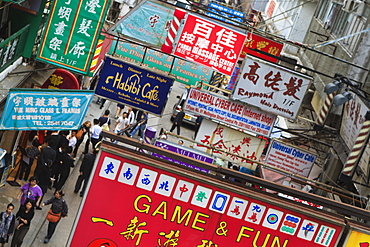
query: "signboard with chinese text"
229, 140
210, 44
235, 15
358, 239
184, 72
72, 32
148, 22
61, 79
271, 87
255, 41
290, 158
159, 205
44, 109
190, 152
132, 85
231, 112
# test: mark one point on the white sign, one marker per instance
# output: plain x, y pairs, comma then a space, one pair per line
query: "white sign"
271, 87
230, 112
230, 140
290, 158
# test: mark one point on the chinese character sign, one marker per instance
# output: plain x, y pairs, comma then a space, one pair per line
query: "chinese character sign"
72, 32
270, 87
358, 239
209, 44
229, 140
134, 86
44, 109
235, 15
150, 206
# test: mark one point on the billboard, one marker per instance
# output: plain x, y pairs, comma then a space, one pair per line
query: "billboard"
235, 15
154, 204
183, 71
290, 158
134, 86
71, 34
45, 109
229, 140
230, 112
210, 44
271, 88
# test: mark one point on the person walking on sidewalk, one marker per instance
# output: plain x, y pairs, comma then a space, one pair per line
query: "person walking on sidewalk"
30, 191
25, 215
7, 220
178, 120
85, 171
58, 206
85, 129
141, 125
95, 133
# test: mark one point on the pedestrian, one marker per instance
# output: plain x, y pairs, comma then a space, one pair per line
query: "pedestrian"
85, 129
198, 121
32, 152
66, 162
121, 124
31, 191
59, 208
102, 103
178, 120
95, 133
25, 215
24, 164
104, 121
52, 139
119, 110
85, 171
7, 220
72, 141
44, 176
141, 125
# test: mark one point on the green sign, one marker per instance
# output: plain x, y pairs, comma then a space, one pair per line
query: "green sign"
184, 72
72, 32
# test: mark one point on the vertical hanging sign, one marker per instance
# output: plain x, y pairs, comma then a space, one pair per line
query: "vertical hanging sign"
72, 32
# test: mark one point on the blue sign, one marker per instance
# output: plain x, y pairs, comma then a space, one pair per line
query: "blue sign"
45, 109
131, 85
235, 15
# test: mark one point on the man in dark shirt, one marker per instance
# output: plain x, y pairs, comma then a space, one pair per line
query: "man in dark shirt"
178, 120
85, 171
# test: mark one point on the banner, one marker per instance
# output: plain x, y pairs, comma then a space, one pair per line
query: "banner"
44, 109
290, 158
189, 152
230, 112
236, 16
271, 88
183, 71
72, 32
150, 205
212, 45
131, 85
229, 140
148, 22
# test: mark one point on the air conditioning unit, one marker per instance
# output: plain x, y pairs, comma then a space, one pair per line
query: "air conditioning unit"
356, 7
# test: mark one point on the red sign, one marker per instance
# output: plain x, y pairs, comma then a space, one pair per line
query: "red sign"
61, 79
210, 44
134, 204
255, 41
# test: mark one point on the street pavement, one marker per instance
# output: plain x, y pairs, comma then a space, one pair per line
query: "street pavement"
38, 229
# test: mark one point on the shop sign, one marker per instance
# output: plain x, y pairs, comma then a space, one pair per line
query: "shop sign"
148, 22
71, 33
61, 79
271, 87
255, 41
358, 239
134, 86
150, 206
189, 152
183, 71
229, 140
210, 44
236, 16
230, 112
45, 109
290, 158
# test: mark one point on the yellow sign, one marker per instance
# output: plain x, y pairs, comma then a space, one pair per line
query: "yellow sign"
358, 239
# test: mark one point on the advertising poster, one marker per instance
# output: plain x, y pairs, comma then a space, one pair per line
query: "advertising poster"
186, 151
255, 41
131, 85
271, 88
358, 239
212, 45
71, 34
229, 140
183, 71
153, 205
290, 158
45, 109
230, 112
148, 22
